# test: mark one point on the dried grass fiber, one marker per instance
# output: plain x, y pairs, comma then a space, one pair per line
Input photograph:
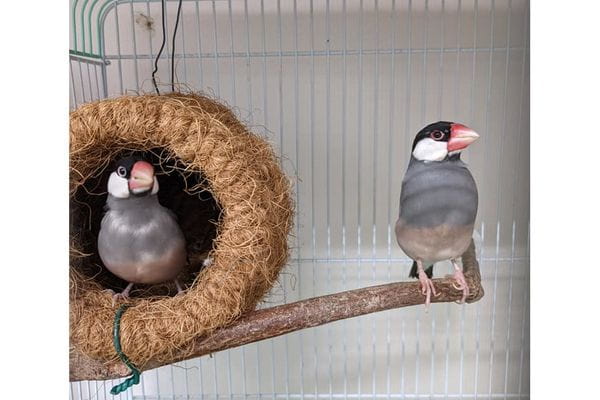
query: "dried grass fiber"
251, 244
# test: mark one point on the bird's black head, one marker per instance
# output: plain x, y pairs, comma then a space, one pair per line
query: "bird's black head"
124, 166
132, 176
438, 131
442, 139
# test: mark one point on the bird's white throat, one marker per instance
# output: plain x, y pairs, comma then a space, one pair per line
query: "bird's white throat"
430, 150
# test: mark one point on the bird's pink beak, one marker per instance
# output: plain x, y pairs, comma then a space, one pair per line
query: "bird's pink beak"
461, 137
142, 177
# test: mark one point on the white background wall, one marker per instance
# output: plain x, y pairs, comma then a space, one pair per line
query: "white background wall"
343, 120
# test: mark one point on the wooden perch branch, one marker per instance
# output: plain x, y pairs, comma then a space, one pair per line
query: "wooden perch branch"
275, 321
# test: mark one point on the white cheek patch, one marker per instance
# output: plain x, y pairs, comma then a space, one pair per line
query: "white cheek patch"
155, 186
430, 150
118, 186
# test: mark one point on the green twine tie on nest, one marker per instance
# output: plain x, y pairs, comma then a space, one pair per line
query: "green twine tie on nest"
134, 379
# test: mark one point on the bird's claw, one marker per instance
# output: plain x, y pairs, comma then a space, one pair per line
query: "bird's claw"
180, 289
117, 296
427, 288
461, 284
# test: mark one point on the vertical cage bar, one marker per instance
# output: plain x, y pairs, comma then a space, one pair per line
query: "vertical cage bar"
119, 66
312, 182
407, 140
200, 377
281, 130
183, 52
187, 383
248, 66
73, 92
264, 71
216, 373
89, 80
81, 79
494, 298
135, 53
74, 23
265, 122
498, 200
524, 323
440, 95
151, 59
89, 389
344, 151
525, 306
374, 197
478, 315
509, 309
474, 66
297, 182
488, 112
231, 48
216, 40
229, 381
142, 386
97, 81
463, 307
168, 43
280, 79
234, 100
440, 109
408, 75
424, 65
441, 56
251, 119
171, 371
327, 184
279, 84
423, 121
518, 145
391, 113
472, 114
359, 191
199, 44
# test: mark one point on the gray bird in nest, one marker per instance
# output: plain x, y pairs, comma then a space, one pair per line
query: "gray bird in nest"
140, 241
438, 203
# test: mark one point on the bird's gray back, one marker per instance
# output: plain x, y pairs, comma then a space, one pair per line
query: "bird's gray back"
438, 193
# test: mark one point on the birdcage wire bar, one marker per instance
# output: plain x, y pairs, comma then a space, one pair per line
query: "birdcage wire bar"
339, 88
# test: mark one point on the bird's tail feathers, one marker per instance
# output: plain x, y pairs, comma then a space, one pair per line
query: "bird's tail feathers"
414, 273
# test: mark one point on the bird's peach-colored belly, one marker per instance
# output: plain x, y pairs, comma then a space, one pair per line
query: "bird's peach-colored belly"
151, 270
433, 244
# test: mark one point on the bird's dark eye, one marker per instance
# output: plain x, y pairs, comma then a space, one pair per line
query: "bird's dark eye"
437, 135
122, 172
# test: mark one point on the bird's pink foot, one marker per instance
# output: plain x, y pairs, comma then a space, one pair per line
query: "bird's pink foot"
179, 288
124, 295
461, 282
427, 287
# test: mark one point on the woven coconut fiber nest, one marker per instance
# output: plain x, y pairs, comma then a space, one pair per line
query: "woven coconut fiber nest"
233, 203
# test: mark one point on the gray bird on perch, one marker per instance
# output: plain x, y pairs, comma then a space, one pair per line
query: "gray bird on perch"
140, 241
438, 203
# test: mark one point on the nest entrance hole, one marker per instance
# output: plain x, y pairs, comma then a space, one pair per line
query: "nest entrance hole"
187, 193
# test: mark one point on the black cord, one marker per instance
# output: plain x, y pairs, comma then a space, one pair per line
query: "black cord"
164, 40
173, 47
